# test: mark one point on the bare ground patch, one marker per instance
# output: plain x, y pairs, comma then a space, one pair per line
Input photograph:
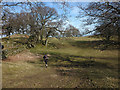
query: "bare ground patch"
23, 56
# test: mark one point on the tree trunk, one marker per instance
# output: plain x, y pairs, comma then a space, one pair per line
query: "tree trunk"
46, 42
39, 37
8, 35
23, 32
108, 38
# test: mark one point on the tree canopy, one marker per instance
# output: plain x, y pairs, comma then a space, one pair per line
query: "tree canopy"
106, 15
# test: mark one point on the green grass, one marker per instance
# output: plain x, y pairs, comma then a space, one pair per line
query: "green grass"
14, 45
73, 62
99, 66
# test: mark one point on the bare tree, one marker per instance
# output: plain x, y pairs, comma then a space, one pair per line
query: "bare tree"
71, 31
106, 15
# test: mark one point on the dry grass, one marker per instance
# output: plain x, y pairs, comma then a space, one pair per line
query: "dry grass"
73, 62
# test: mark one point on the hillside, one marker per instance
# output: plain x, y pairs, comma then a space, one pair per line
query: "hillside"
74, 62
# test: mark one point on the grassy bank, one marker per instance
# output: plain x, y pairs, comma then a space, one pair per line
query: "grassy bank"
82, 57
73, 63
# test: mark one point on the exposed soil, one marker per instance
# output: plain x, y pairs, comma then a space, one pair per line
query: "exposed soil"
23, 56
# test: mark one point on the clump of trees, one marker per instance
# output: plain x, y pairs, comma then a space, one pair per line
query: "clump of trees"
71, 31
39, 22
106, 16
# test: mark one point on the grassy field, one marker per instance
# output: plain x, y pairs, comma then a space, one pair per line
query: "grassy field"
73, 63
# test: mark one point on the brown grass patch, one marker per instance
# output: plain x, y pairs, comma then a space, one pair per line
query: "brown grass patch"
23, 56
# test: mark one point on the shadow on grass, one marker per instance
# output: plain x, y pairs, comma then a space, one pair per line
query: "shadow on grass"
87, 67
85, 64
99, 44
87, 61
21, 40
